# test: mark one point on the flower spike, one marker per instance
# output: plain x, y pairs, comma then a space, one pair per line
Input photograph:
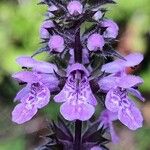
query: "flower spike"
79, 39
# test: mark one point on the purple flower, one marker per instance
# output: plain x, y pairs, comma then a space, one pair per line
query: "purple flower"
111, 28
118, 65
33, 97
36, 94
119, 86
75, 8
106, 119
77, 96
44, 34
118, 101
56, 43
95, 42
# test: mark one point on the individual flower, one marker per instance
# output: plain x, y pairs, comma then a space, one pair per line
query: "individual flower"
37, 97
36, 94
56, 43
111, 28
118, 101
118, 86
44, 33
76, 96
95, 42
106, 119
75, 7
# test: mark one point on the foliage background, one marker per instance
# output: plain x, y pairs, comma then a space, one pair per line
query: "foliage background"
19, 26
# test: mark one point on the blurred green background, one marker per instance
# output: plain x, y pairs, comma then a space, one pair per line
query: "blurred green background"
19, 26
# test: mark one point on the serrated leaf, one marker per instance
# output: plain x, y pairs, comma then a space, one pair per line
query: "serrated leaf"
95, 136
41, 50
60, 134
113, 53
65, 129
91, 129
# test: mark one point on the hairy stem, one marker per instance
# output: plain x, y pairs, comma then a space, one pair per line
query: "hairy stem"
78, 59
78, 132
78, 48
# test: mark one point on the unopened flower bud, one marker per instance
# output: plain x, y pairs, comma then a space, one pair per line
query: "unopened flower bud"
95, 42
56, 43
44, 34
75, 8
52, 8
112, 28
98, 15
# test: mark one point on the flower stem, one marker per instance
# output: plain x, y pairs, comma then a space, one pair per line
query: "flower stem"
78, 48
78, 59
78, 132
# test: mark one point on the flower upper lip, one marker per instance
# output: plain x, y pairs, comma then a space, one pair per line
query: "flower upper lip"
131, 60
